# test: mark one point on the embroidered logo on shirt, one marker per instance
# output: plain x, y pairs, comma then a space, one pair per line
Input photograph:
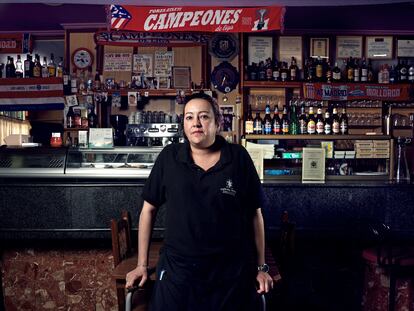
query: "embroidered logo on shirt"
228, 189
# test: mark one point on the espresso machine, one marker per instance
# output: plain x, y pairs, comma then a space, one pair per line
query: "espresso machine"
119, 123
153, 134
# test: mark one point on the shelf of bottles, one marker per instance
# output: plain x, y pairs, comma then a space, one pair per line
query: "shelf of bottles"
315, 137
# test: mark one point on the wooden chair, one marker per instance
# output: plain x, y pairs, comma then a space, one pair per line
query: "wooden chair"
125, 260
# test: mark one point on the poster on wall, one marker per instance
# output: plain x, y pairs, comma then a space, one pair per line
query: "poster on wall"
142, 63
117, 62
349, 46
405, 48
163, 61
379, 47
290, 47
260, 49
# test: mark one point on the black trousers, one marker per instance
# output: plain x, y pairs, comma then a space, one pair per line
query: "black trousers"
217, 283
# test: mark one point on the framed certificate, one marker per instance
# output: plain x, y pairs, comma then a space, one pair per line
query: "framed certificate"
313, 165
319, 47
259, 49
379, 47
290, 47
349, 47
181, 77
405, 48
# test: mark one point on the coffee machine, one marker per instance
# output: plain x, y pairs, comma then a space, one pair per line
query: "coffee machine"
153, 134
119, 123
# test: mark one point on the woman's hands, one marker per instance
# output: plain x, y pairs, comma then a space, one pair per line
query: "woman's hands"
140, 272
265, 282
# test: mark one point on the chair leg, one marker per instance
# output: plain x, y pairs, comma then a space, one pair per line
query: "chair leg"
120, 293
392, 292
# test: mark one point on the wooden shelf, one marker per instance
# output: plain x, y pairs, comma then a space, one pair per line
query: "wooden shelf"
317, 137
75, 129
272, 84
153, 92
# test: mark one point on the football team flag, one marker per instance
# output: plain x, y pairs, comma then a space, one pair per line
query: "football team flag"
31, 94
193, 18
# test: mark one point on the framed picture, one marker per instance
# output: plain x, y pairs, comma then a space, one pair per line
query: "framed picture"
348, 47
379, 47
405, 48
143, 64
290, 47
132, 99
319, 47
181, 77
260, 49
163, 61
163, 82
227, 111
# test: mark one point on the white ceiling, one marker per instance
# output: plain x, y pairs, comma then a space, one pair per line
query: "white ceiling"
239, 3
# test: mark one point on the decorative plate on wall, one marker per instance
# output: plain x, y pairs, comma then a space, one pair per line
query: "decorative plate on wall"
225, 77
224, 46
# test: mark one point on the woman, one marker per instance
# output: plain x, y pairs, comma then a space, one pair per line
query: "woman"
214, 241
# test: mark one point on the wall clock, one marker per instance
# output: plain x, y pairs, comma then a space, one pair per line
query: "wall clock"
225, 77
224, 46
82, 58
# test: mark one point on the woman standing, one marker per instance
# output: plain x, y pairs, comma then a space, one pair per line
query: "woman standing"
213, 255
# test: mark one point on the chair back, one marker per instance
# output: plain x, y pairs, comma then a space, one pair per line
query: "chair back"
121, 237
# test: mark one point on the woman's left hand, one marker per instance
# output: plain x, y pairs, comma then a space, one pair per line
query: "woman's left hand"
265, 282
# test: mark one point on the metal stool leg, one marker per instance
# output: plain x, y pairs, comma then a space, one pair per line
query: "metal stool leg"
263, 300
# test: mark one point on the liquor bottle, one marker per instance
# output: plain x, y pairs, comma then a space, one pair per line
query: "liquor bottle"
276, 71
262, 71
276, 122
356, 71
393, 74
45, 71
37, 68
293, 69
343, 122
350, 70
248, 124
319, 70
328, 123
294, 123
253, 72
336, 73
335, 121
269, 69
51, 66
70, 118
28, 66
59, 69
311, 70
10, 68
97, 82
370, 74
19, 68
320, 124
411, 73
257, 124
364, 71
311, 129
267, 121
284, 72
66, 82
285, 121
303, 122
403, 72
328, 72
77, 119
92, 118
74, 82
386, 74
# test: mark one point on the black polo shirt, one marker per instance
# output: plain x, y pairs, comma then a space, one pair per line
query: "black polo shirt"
207, 212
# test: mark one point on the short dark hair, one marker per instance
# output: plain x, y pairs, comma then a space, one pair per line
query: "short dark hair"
210, 100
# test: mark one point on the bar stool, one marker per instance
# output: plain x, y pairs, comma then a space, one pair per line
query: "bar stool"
388, 266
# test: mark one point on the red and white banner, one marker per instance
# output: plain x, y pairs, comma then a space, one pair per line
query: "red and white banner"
26, 93
193, 18
15, 43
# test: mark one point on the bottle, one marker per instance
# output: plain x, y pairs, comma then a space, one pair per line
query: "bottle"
303, 124
267, 121
285, 121
74, 82
77, 118
28, 66
262, 71
269, 69
328, 72
37, 68
319, 70
335, 121
320, 124
293, 69
70, 118
336, 73
253, 71
370, 72
386, 74
343, 122
327, 130
364, 71
350, 70
10, 68
276, 122
84, 118
45, 71
19, 68
402, 173
59, 69
284, 73
51, 66
356, 71
257, 124
66, 82
311, 129
393, 74
92, 118
248, 124
276, 71
294, 123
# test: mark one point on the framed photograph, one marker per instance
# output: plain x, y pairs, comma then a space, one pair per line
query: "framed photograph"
348, 47
163, 82
319, 47
143, 64
181, 77
288, 47
132, 99
227, 111
260, 49
163, 61
379, 47
71, 100
405, 48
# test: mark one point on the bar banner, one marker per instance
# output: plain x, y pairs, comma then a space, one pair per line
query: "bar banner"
338, 91
195, 18
31, 94
15, 43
